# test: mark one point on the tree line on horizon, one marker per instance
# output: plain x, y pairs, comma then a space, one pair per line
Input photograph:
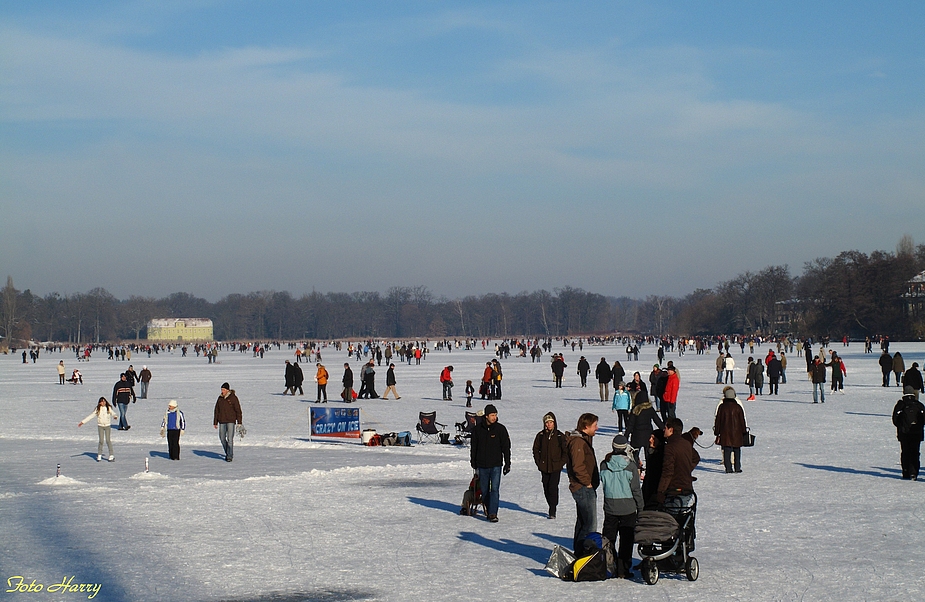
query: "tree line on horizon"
853, 294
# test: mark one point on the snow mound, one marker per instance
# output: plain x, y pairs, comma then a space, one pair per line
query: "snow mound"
61, 481
148, 476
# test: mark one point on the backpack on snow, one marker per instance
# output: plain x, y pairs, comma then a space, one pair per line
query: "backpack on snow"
591, 565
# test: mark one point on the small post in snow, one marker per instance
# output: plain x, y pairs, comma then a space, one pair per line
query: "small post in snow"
146, 465
58, 473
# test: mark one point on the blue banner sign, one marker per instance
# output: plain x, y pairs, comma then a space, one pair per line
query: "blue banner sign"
335, 422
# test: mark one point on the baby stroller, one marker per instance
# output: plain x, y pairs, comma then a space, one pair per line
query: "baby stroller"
666, 539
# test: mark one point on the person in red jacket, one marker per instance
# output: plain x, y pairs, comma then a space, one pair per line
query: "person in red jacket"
670, 397
446, 379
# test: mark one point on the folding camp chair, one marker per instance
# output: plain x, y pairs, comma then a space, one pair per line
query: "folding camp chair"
464, 429
427, 427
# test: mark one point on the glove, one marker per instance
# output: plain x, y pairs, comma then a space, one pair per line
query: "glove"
506, 469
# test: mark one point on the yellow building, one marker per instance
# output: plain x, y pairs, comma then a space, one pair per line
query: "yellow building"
180, 329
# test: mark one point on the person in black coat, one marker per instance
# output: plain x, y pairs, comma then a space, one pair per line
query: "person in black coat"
655, 457
775, 370
886, 367
347, 394
297, 378
550, 455
583, 369
639, 424
913, 378
290, 379
558, 370
490, 449
603, 375
909, 420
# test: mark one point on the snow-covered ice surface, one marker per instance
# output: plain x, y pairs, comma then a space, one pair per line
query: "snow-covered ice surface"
819, 513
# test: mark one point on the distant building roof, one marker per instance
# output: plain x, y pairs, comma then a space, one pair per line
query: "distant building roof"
918, 278
172, 322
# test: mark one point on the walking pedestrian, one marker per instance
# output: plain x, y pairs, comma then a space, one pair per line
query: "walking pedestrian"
549, 455
909, 419
226, 415
390, 382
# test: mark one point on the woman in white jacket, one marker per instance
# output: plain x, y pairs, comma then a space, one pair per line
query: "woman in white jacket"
104, 417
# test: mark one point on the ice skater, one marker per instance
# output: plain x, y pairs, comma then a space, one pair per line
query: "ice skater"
104, 417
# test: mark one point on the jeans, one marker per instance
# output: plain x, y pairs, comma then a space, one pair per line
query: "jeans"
226, 436
447, 390
586, 522
490, 482
818, 389
719, 376
123, 411
144, 390
727, 458
730, 377
104, 434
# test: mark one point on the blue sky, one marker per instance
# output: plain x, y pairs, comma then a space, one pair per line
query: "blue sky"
628, 148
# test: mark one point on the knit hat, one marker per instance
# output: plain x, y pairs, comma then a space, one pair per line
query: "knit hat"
908, 390
490, 409
549, 417
172, 404
620, 444
226, 386
729, 393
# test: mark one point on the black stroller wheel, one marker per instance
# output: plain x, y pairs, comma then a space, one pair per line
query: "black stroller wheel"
692, 568
649, 570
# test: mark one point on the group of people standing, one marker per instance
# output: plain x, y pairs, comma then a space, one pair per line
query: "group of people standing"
671, 459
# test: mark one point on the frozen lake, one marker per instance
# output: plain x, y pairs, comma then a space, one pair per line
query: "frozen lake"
819, 513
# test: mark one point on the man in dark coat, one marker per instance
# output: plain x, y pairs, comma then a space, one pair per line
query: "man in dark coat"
729, 426
583, 369
913, 378
909, 420
603, 374
122, 395
227, 413
550, 454
886, 367
775, 370
490, 449
290, 379
297, 378
347, 394
679, 463
584, 476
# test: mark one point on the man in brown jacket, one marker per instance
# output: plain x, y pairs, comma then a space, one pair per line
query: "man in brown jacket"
227, 414
680, 460
583, 477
